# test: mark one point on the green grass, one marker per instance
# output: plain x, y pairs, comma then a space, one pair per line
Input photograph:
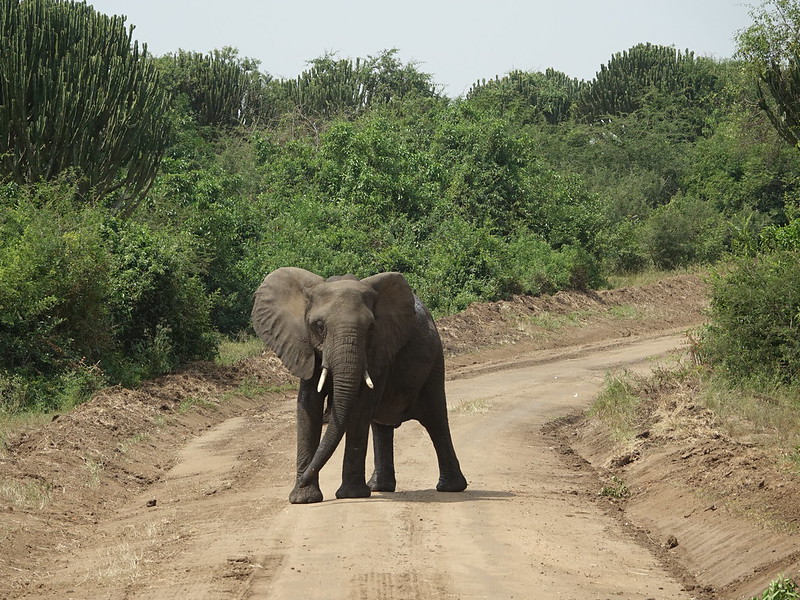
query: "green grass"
623, 312
616, 488
617, 405
781, 588
238, 348
250, 388
190, 402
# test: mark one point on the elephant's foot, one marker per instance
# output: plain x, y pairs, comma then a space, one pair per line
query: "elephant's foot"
381, 483
452, 483
353, 490
307, 494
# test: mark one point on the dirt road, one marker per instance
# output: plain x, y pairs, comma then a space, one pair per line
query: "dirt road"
219, 524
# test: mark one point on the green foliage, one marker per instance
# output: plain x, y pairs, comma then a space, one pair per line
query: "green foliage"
158, 305
53, 277
771, 47
616, 488
755, 319
550, 95
206, 204
484, 164
77, 94
742, 163
372, 163
685, 231
786, 237
782, 588
88, 299
623, 84
334, 87
219, 88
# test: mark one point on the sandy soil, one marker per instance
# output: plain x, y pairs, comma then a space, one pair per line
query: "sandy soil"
180, 489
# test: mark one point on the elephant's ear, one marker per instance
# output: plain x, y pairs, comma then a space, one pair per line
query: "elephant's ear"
279, 311
394, 318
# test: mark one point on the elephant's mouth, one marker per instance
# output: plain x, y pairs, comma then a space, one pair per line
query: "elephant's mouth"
324, 377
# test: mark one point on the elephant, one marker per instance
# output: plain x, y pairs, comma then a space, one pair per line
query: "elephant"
371, 347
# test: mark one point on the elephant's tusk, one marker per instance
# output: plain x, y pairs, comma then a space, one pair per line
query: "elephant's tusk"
322, 379
368, 380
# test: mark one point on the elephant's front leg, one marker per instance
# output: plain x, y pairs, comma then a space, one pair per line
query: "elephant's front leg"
309, 430
383, 478
354, 483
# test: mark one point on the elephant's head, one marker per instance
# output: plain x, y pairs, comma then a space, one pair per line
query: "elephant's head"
343, 329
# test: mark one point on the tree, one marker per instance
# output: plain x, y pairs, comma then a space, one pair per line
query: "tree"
622, 85
219, 88
771, 46
77, 94
334, 86
551, 94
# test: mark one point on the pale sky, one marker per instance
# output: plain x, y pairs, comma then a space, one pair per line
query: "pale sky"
458, 42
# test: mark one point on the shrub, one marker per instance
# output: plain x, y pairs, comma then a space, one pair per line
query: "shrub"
157, 302
53, 284
781, 588
87, 299
755, 318
683, 232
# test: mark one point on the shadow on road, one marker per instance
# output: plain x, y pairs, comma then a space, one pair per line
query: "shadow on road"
432, 496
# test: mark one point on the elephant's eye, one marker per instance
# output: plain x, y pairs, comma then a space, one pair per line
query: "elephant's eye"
319, 326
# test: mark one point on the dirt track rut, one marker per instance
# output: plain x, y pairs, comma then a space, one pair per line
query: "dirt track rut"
528, 526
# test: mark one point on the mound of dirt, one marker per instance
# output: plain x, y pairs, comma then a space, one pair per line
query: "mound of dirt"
499, 332
725, 508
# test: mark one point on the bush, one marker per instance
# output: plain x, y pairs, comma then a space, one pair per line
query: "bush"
683, 232
53, 286
755, 319
625, 250
158, 305
87, 299
532, 267
781, 588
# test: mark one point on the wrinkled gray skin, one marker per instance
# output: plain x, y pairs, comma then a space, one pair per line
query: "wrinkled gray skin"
351, 327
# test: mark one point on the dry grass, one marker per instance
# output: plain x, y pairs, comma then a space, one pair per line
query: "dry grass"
684, 400
767, 414
127, 559
625, 280
30, 494
475, 406
11, 423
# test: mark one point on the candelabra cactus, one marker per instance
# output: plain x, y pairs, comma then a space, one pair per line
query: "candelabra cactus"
76, 93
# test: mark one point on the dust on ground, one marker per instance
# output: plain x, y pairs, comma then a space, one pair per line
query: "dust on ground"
723, 510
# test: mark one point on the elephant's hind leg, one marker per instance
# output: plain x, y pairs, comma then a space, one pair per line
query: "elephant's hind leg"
383, 478
451, 479
433, 417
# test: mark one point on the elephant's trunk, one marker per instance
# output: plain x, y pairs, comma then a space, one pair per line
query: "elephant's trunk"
348, 375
